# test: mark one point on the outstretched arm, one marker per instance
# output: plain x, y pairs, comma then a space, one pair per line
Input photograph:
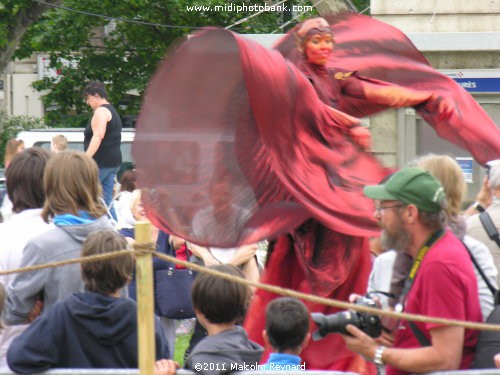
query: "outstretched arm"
383, 93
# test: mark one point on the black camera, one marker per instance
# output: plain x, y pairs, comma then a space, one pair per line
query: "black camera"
336, 323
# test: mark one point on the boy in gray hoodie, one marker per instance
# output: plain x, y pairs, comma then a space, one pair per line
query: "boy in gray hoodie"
219, 305
92, 329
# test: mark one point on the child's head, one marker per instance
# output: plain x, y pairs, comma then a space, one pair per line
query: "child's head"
59, 143
287, 324
109, 275
218, 299
136, 206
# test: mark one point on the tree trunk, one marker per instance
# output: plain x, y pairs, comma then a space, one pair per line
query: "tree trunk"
18, 25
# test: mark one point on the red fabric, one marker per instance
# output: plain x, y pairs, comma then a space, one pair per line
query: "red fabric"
251, 122
182, 253
445, 287
379, 51
222, 110
319, 261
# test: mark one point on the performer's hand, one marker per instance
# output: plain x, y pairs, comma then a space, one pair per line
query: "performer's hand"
361, 136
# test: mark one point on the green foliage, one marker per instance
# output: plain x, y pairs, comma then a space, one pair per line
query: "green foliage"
181, 345
127, 57
361, 5
10, 126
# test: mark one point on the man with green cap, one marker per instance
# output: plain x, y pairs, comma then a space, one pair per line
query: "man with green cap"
441, 282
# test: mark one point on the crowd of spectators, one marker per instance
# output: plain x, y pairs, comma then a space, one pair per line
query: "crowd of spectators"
57, 217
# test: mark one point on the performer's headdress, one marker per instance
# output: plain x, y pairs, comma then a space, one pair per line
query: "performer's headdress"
309, 27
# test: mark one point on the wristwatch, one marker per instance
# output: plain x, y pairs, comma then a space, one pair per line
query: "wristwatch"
377, 359
477, 206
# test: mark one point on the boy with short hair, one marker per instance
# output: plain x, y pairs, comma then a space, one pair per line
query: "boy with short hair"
58, 143
93, 329
219, 305
287, 333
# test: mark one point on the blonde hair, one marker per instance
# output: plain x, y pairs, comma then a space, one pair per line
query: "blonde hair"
59, 143
71, 182
11, 150
448, 172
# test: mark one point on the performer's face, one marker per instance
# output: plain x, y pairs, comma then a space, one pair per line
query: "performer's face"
318, 47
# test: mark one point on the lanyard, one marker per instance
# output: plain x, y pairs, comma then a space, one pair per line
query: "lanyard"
431, 240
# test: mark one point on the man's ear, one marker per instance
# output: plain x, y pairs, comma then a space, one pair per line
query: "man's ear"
411, 214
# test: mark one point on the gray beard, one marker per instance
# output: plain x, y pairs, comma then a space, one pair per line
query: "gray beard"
398, 242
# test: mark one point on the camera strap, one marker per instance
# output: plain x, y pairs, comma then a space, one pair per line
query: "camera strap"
489, 227
431, 240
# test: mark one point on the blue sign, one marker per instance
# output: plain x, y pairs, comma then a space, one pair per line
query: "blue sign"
467, 168
479, 84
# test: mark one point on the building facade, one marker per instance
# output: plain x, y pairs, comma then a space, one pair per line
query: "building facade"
461, 39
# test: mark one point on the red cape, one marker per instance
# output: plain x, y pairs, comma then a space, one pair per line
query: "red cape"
224, 110
379, 51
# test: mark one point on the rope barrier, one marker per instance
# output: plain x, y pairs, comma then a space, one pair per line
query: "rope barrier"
332, 302
150, 248
91, 258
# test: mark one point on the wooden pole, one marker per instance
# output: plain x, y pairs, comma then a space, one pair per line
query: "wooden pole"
145, 301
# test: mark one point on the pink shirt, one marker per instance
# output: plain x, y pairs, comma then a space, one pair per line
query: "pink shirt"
445, 286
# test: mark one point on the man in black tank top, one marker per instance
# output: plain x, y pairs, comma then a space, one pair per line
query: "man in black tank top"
103, 138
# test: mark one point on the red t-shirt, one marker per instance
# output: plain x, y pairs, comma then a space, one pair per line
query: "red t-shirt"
445, 286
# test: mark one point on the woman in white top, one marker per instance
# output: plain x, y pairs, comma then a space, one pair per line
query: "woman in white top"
25, 190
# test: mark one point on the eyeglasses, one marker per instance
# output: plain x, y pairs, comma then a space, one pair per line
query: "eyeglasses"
379, 209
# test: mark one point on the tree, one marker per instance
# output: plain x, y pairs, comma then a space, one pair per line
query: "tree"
15, 18
128, 54
138, 32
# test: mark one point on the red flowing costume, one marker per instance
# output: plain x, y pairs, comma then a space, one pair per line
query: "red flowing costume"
223, 109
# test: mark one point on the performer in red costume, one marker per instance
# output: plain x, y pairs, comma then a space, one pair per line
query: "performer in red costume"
317, 257
334, 86
223, 107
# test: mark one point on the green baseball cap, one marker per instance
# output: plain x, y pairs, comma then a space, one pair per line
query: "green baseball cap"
410, 185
